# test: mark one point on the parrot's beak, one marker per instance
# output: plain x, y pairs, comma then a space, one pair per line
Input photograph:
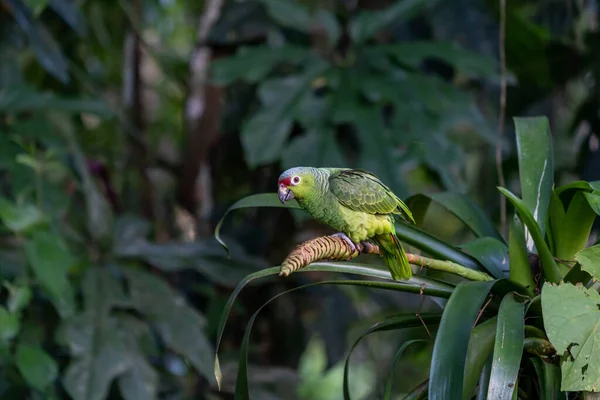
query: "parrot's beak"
284, 194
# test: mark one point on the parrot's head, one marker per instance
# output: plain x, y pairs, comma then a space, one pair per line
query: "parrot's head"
295, 183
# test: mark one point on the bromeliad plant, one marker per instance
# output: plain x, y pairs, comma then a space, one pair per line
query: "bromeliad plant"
538, 335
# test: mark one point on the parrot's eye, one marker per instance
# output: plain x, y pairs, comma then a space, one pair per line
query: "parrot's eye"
295, 180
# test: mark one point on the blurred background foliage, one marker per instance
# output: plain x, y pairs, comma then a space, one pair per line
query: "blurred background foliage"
127, 128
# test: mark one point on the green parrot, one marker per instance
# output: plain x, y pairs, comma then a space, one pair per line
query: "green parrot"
355, 203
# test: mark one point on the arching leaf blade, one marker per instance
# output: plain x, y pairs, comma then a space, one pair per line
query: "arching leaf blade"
451, 343
255, 200
390, 380
435, 247
465, 209
481, 344
242, 384
391, 323
536, 167
508, 349
429, 287
491, 253
551, 270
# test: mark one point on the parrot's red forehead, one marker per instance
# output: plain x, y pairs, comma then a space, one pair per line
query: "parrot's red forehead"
286, 181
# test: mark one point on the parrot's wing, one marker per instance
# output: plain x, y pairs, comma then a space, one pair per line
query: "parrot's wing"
362, 191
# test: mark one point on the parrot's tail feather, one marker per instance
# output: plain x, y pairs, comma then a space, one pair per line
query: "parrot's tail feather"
394, 257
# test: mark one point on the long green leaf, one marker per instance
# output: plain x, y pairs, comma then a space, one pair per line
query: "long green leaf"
264, 135
548, 379
510, 335
435, 247
536, 167
520, 270
430, 288
451, 343
491, 253
368, 23
551, 270
464, 209
484, 379
242, 385
481, 344
390, 380
391, 323
45, 47
571, 229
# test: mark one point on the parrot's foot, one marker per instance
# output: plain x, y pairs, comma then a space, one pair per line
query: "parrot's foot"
342, 235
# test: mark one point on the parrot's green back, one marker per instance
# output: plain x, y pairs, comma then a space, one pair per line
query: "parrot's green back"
357, 203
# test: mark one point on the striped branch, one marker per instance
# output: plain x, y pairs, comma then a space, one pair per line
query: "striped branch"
335, 248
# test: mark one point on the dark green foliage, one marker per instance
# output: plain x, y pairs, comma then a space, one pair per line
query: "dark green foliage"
108, 293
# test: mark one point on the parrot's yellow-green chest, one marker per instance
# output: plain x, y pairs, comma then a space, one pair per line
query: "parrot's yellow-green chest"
360, 226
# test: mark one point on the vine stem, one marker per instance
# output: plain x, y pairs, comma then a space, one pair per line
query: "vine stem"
502, 114
336, 248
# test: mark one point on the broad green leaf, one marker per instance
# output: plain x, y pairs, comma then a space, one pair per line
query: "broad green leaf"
549, 266
327, 20
570, 230
464, 209
319, 383
19, 298
253, 64
536, 169
390, 380
71, 13
179, 325
590, 260
9, 325
20, 218
391, 323
451, 343
140, 381
377, 147
36, 6
290, 14
99, 221
317, 148
578, 185
368, 23
429, 287
520, 270
264, 135
313, 361
413, 54
594, 200
18, 98
203, 255
572, 321
98, 353
46, 49
481, 344
51, 260
508, 349
491, 253
35, 365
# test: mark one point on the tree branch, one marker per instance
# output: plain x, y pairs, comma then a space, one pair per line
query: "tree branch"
335, 248
203, 108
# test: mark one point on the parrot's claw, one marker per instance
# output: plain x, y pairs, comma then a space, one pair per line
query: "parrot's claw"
347, 240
